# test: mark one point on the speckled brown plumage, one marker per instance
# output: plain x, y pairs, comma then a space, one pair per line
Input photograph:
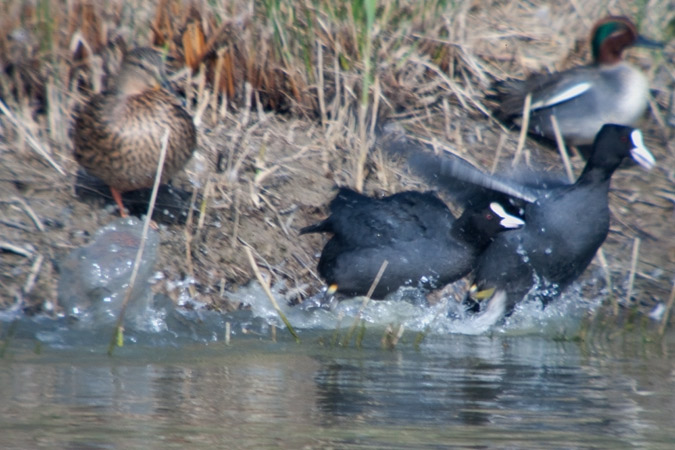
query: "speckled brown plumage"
117, 135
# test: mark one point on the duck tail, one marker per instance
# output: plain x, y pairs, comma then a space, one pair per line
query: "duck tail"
505, 98
322, 227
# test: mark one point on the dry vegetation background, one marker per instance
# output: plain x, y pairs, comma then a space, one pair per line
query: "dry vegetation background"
277, 90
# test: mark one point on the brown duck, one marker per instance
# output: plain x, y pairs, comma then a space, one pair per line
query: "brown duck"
118, 134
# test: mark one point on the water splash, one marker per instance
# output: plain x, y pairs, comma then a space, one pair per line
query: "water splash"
446, 316
95, 278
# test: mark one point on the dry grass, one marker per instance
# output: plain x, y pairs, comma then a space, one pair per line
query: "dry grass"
276, 88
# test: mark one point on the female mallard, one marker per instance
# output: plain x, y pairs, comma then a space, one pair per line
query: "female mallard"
118, 133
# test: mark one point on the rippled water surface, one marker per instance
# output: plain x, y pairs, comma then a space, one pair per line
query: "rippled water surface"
498, 390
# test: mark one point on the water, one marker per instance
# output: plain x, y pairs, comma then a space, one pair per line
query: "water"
499, 390
94, 279
448, 382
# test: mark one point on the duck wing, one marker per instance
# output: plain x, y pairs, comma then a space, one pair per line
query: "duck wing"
360, 221
459, 176
547, 90
465, 183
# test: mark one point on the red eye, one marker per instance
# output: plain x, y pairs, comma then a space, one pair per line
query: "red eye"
489, 216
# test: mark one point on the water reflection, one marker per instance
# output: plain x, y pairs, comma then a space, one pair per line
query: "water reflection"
468, 390
501, 382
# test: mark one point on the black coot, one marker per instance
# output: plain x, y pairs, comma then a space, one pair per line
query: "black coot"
564, 224
415, 232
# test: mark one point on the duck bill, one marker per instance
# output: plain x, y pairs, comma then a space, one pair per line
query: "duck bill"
512, 222
639, 152
507, 220
642, 41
